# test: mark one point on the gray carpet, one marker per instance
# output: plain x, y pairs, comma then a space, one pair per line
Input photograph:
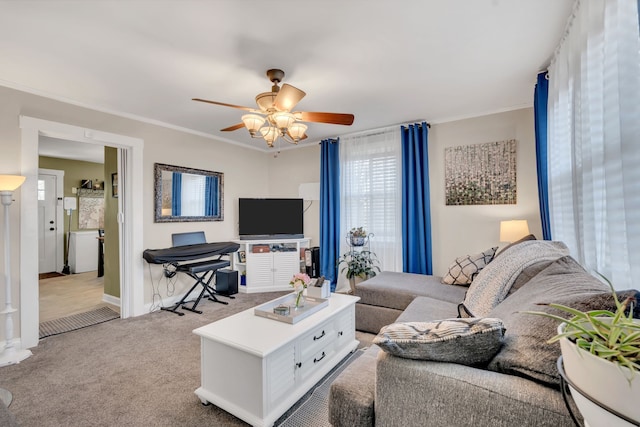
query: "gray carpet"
141, 371
77, 321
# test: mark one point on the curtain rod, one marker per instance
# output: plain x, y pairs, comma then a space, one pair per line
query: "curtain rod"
379, 132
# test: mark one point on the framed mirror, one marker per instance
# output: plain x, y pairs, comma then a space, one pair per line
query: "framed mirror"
185, 194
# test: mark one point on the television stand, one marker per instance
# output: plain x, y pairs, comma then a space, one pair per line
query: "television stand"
268, 265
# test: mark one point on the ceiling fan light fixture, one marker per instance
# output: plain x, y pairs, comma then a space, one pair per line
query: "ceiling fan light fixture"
282, 121
296, 131
253, 122
266, 100
269, 134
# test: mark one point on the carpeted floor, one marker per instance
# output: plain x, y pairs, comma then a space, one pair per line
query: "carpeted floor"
141, 371
77, 321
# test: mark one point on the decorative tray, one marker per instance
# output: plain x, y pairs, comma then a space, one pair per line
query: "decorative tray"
312, 305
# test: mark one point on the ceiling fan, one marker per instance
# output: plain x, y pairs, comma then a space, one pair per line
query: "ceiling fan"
274, 112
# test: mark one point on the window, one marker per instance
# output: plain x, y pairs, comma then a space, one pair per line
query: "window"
370, 183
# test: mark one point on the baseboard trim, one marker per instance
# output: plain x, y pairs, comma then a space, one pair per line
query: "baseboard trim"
110, 299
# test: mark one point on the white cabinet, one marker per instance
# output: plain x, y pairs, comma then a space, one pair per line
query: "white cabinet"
83, 251
268, 265
268, 365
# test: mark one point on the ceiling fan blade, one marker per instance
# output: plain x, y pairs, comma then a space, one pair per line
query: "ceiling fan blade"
232, 128
288, 97
331, 118
226, 105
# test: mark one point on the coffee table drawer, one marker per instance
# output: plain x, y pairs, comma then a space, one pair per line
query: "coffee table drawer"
320, 337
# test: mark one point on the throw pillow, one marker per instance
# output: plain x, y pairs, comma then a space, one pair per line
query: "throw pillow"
526, 352
469, 341
464, 269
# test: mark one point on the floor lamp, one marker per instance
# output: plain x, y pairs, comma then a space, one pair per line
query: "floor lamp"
10, 355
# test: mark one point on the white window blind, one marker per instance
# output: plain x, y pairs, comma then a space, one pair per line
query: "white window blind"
370, 184
594, 145
193, 188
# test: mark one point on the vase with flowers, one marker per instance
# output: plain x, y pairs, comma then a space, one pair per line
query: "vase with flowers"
299, 281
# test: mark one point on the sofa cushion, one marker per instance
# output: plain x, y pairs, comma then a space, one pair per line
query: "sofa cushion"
492, 284
469, 341
397, 290
525, 351
465, 268
425, 309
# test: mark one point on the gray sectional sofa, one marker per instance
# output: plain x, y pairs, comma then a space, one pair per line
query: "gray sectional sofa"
518, 387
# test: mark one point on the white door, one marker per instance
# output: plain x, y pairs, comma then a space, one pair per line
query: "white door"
47, 223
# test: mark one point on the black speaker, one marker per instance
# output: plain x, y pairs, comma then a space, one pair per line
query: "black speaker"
312, 261
227, 282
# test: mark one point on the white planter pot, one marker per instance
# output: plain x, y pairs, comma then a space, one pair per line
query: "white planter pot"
604, 381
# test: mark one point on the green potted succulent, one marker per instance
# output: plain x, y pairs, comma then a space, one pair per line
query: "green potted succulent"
358, 265
601, 358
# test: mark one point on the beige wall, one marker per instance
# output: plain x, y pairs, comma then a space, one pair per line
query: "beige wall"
461, 230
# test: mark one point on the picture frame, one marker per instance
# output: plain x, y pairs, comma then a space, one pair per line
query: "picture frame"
86, 183
242, 256
114, 185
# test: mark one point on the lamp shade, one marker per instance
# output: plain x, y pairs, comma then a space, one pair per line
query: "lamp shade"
297, 130
252, 122
11, 182
283, 120
269, 134
513, 230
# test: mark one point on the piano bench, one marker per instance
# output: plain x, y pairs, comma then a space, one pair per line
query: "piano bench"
199, 267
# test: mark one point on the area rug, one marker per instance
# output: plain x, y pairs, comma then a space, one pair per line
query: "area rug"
312, 410
49, 275
77, 321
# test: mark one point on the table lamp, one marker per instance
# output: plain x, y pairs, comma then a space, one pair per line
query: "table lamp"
10, 355
513, 230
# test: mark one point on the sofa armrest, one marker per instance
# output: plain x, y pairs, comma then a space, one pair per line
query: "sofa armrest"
437, 394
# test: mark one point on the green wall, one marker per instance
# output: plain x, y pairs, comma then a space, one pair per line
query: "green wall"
74, 172
112, 239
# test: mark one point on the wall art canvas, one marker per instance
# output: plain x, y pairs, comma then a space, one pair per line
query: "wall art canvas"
481, 174
90, 209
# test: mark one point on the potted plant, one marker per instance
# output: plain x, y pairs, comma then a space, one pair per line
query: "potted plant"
358, 265
601, 358
357, 236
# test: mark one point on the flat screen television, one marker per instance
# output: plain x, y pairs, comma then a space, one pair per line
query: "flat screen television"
270, 219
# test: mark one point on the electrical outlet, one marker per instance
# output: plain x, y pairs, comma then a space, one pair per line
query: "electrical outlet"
74, 190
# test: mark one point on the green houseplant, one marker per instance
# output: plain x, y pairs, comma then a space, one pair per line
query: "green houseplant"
358, 264
601, 358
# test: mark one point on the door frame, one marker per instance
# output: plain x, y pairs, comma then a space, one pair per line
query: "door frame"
130, 219
59, 214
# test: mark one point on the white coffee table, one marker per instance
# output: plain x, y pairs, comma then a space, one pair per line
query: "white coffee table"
257, 368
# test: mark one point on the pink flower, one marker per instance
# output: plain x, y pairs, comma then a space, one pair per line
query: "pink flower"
300, 280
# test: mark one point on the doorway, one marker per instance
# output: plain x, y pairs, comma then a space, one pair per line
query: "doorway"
50, 221
130, 167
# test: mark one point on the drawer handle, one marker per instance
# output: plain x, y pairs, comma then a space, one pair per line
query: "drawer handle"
340, 333
317, 360
299, 365
317, 338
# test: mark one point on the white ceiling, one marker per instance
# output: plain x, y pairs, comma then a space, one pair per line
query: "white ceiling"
387, 62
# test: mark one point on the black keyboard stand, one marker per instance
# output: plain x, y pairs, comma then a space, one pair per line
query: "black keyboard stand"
199, 272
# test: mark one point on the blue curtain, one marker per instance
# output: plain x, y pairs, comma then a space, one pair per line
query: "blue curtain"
416, 211
329, 209
210, 199
541, 96
176, 194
